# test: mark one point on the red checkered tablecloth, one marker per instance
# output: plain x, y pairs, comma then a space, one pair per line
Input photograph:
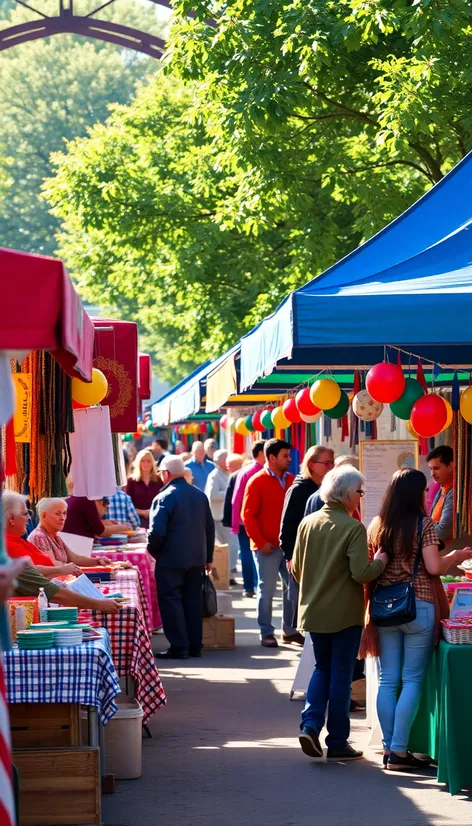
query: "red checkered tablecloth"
131, 644
139, 557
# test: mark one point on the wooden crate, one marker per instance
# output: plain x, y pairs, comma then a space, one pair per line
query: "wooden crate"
220, 573
218, 634
44, 725
59, 787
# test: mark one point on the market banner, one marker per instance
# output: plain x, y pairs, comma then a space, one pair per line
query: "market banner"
116, 355
22, 412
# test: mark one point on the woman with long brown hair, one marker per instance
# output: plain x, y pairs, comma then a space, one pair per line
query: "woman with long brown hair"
406, 650
143, 485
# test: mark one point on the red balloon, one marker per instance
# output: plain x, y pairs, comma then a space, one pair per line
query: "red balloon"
428, 416
224, 422
203, 428
305, 404
78, 406
256, 421
291, 411
137, 435
385, 382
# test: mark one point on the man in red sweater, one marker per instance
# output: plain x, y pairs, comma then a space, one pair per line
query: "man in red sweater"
261, 513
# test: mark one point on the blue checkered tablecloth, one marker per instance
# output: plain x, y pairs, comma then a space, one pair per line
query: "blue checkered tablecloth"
83, 674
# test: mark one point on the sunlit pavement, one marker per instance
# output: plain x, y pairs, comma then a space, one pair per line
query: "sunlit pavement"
225, 752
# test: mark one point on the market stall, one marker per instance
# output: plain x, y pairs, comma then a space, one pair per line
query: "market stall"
131, 645
360, 344
138, 556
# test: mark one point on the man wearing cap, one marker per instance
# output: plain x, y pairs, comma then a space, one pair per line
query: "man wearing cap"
181, 539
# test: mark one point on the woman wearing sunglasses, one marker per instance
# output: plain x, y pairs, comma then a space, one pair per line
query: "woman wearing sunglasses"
331, 563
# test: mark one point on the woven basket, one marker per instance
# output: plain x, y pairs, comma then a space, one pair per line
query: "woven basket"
457, 634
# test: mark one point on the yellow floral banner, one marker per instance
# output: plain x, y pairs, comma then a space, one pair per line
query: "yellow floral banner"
22, 414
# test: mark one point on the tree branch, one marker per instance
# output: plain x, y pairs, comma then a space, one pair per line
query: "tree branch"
435, 173
398, 162
365, 118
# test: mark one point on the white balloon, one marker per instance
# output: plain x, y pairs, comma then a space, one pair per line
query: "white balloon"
365, 407
311, 419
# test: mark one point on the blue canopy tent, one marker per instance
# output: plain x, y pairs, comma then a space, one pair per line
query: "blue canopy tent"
408, 286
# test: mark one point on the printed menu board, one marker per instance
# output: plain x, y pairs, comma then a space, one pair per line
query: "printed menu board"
378, 462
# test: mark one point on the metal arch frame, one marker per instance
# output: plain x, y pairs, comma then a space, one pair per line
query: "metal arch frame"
87, 26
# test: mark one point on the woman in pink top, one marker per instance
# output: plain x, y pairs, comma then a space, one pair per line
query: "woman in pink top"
247, 557
52, 517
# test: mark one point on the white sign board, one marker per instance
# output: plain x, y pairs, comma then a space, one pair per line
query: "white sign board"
378, 462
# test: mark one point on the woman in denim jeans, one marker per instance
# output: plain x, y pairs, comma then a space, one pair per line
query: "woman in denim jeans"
406, 650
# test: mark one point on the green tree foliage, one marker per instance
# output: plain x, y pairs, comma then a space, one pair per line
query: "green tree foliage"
52, 91
301, 129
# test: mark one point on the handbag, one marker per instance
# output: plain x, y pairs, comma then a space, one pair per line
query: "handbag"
396, 604
209, 598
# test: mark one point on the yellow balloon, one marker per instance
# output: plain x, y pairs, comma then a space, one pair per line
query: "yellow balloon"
325, 394
89, 393
449, 416
279, 419
195, 429
240, 427
411, 430
466, 404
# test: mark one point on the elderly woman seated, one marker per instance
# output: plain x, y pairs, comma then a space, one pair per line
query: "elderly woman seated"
28, 578
52, 517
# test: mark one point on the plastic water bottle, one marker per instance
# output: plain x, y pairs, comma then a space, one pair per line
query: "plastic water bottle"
20, 618
43, 606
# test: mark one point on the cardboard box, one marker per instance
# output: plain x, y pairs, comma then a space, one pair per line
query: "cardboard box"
220, 572
218, 634
225, 603
59, 787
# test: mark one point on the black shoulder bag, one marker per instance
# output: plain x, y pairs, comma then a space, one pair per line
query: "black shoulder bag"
209, 598
396, 604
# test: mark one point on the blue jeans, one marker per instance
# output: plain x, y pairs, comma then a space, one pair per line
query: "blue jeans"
269, 568
330, 685
247, 561
405, 654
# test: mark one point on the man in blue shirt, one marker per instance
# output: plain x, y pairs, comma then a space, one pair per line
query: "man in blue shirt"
121, 509
200, 465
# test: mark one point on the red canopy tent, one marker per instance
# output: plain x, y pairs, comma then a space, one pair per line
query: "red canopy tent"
42, 311
145, 377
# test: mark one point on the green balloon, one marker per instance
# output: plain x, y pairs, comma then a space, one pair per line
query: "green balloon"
266, 420
340, 409
402, 407
249, 424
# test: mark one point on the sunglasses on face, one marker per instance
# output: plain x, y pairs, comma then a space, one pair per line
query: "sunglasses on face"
361, 493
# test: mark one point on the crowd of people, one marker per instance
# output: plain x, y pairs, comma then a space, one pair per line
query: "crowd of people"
304, 531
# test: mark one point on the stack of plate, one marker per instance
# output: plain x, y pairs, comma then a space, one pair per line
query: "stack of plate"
63, 614
35, 640
48, 626
68, 636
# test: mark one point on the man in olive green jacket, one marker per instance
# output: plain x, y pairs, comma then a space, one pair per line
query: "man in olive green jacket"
331, 564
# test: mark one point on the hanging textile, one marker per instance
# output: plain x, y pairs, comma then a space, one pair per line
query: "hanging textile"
42, 464
116, 355
93, 465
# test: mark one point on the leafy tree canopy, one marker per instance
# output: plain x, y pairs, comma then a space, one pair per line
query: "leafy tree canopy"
52, 91
297, 131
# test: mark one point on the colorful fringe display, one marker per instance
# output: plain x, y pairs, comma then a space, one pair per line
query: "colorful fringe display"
43, 465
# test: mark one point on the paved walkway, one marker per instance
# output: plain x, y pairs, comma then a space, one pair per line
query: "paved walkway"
225, 753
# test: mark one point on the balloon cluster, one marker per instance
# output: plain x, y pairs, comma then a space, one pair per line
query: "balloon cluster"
427, 414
